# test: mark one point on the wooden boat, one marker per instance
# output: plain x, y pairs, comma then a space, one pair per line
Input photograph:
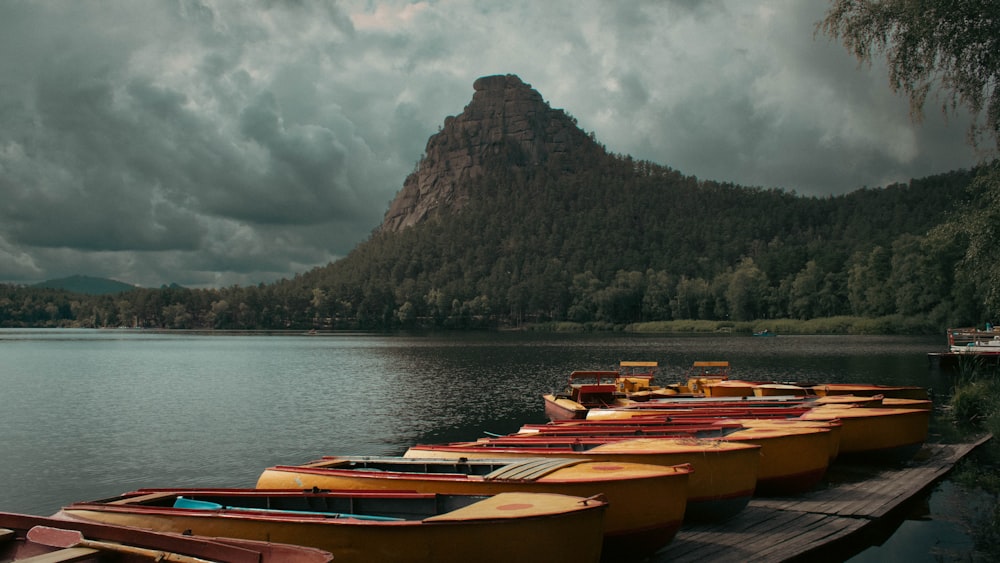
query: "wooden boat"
586, 389
793, 459
676, 414
876, 433
780, 390
721, 485
890, 391
646, 503
38, 539
729, 388
371, 526
657, 426
833, 427
703, 373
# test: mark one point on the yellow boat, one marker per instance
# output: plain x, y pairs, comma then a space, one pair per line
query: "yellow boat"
585, 390
728, 388
876, 432
780, 390
371, 526
702, 373
646, 503
792, 459
834, 429
721, 485
893, 391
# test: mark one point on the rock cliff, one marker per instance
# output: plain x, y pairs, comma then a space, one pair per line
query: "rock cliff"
505, 117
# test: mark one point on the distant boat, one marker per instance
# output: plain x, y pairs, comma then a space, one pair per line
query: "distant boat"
972, 340
764, 332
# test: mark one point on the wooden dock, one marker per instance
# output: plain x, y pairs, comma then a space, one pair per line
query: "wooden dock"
827, 524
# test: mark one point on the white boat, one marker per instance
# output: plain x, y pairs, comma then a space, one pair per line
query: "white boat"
973, 340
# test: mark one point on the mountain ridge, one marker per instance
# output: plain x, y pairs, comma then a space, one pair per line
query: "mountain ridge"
505, 115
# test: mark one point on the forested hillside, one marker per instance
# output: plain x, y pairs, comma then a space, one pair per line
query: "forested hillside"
516, 216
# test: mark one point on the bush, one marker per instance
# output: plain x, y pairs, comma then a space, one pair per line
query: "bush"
976, 402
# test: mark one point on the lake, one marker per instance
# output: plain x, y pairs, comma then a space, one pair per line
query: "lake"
88, 414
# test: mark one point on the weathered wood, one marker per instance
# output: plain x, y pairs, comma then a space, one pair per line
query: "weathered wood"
67, 555
853, 499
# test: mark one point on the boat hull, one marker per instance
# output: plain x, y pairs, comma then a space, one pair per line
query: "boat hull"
646, 503
562, 408
877, 434
723, 480
896, 392
502, 528
219, 550
792, 460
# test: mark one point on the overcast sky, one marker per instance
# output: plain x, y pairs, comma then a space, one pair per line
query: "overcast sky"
212, 143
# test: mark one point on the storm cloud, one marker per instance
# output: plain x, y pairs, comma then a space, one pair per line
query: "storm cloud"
212, 143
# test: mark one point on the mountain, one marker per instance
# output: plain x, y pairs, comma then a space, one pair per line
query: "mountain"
507, 118
86, 285
514, 213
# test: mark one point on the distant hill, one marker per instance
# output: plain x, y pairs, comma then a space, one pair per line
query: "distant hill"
87, 285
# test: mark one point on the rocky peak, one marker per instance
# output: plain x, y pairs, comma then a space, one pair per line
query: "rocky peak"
503, 110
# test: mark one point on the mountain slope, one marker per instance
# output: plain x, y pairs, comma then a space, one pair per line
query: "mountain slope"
516, 211
86, 285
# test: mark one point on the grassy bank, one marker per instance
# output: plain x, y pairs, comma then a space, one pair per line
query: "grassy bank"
894, 324
975, 407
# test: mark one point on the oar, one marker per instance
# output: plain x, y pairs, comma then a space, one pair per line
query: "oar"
59, 537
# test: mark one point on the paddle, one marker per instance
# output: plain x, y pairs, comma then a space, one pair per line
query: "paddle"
62, 538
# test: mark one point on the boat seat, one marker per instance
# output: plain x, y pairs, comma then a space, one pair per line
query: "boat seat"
530, 469
62, 556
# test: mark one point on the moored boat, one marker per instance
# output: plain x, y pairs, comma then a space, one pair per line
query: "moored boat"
780, 390
646, 503
793, 459
974, 341
876, 433
585, 390
722, 482
35, 538
371, 526
890, 391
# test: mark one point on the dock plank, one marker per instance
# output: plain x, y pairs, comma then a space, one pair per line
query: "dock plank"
784, 529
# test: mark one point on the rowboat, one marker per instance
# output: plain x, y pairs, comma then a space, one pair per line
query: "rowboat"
664, 425
793, 459
876, 433
834, 428
36, 539
721, 485
676, 413
646, 503
780, 390
891, 391
586, 389
371, 526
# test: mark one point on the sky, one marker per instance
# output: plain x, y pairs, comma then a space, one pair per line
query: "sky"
213, 143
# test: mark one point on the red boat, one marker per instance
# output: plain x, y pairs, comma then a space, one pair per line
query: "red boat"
35, 538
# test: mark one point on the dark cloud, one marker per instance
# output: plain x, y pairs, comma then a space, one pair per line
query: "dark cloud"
211, 142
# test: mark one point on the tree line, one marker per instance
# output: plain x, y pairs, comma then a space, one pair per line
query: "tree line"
614, 242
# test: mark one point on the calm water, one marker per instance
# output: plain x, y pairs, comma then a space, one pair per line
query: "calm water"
88, 414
